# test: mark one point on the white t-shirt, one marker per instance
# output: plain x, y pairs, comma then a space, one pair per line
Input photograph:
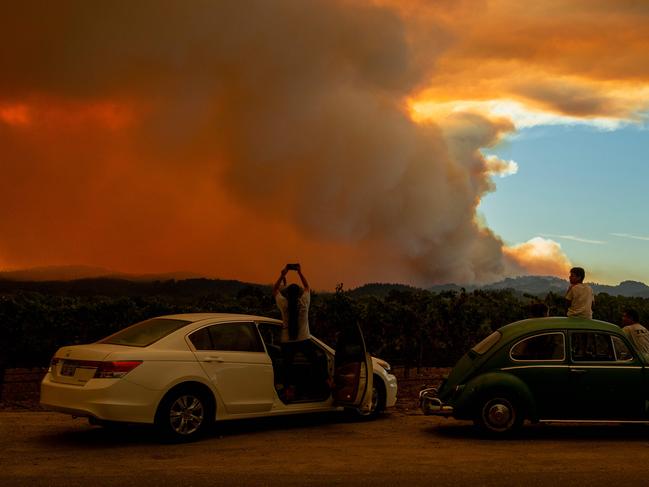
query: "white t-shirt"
581, 301
302, 319
639, 335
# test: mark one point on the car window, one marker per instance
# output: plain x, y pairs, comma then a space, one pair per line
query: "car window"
201, 339
588, 346
145, 333
622, 352
487, 343
548, 346
271, 333
234, 337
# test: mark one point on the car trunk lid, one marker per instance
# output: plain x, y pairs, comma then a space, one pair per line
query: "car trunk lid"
77, 364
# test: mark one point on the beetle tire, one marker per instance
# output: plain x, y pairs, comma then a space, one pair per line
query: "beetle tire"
499, 415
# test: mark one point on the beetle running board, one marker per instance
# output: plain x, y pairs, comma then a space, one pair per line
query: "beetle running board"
595, 421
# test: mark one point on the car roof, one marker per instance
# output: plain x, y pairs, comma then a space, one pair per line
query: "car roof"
218, 317
532, 325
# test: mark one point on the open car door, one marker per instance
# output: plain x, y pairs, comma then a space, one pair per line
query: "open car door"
353, 371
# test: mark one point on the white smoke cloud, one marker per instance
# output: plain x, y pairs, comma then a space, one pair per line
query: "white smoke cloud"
500, 167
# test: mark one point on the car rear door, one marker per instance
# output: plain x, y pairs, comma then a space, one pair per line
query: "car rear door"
352, 370
233, 357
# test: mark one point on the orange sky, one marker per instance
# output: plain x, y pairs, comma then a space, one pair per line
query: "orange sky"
156, 137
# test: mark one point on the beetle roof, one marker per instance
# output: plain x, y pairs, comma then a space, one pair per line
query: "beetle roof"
531, 325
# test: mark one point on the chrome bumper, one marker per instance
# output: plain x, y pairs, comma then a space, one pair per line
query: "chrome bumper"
432, 405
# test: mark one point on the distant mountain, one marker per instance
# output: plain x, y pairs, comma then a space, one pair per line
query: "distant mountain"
55, 273
105, 286
625, 288
97, 280
531, 284
540, 285
74, 272
379, 290
535, 285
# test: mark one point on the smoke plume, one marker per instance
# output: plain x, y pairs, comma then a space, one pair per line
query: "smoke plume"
231, 137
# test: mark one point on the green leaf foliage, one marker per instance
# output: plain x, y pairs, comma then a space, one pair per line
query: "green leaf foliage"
406, 326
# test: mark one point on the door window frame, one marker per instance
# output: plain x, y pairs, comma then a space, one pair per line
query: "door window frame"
610, 337
562, 359
261, 348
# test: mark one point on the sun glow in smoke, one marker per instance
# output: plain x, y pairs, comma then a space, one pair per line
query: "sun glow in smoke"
14, 114
540, 256
522, 115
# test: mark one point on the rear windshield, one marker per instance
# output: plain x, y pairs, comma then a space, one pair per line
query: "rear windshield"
145, 333
487, 343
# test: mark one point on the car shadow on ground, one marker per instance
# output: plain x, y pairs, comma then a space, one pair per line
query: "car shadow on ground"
547, 431
286, 422
95, 437
82, 434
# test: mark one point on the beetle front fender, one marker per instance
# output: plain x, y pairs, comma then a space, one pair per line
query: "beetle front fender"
498, 382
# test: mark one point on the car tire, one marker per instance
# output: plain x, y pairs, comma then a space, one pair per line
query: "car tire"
378, 400
499, 415
184, 414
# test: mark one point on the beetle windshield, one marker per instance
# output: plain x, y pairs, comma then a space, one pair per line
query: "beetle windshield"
487, 343
145, 333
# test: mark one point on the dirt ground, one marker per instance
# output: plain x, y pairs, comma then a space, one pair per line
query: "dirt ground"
398, 449
401, 448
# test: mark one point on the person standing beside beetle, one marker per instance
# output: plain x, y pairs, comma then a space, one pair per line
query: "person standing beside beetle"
637, 333
579, 295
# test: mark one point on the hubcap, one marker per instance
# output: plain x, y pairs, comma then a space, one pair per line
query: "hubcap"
186, 414
499, 415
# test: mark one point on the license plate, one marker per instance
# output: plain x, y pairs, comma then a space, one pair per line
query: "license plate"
68, 370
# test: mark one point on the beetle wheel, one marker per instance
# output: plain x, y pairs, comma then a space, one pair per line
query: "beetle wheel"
499, 415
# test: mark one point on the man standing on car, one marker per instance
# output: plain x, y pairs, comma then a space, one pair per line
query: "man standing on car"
637, 333
579, 295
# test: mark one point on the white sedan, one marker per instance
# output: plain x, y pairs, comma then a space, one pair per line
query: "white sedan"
182, 372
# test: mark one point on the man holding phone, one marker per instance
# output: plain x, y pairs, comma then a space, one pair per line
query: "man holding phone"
293, 302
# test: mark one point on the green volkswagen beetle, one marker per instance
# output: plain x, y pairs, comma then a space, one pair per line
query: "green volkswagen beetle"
545, 370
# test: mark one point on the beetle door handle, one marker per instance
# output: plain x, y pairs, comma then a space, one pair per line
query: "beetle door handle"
578, 371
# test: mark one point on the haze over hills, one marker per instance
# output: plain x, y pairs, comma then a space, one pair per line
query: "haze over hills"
97, 278
73, 272
539, 285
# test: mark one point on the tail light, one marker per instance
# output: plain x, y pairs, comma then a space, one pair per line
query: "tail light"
53, 363
115, 370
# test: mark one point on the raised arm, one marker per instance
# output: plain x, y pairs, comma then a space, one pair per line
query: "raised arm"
305, 284
280, 279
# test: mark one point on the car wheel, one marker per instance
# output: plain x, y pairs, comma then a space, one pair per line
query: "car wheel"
378, 400
499, 414
184, 415
378, 397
